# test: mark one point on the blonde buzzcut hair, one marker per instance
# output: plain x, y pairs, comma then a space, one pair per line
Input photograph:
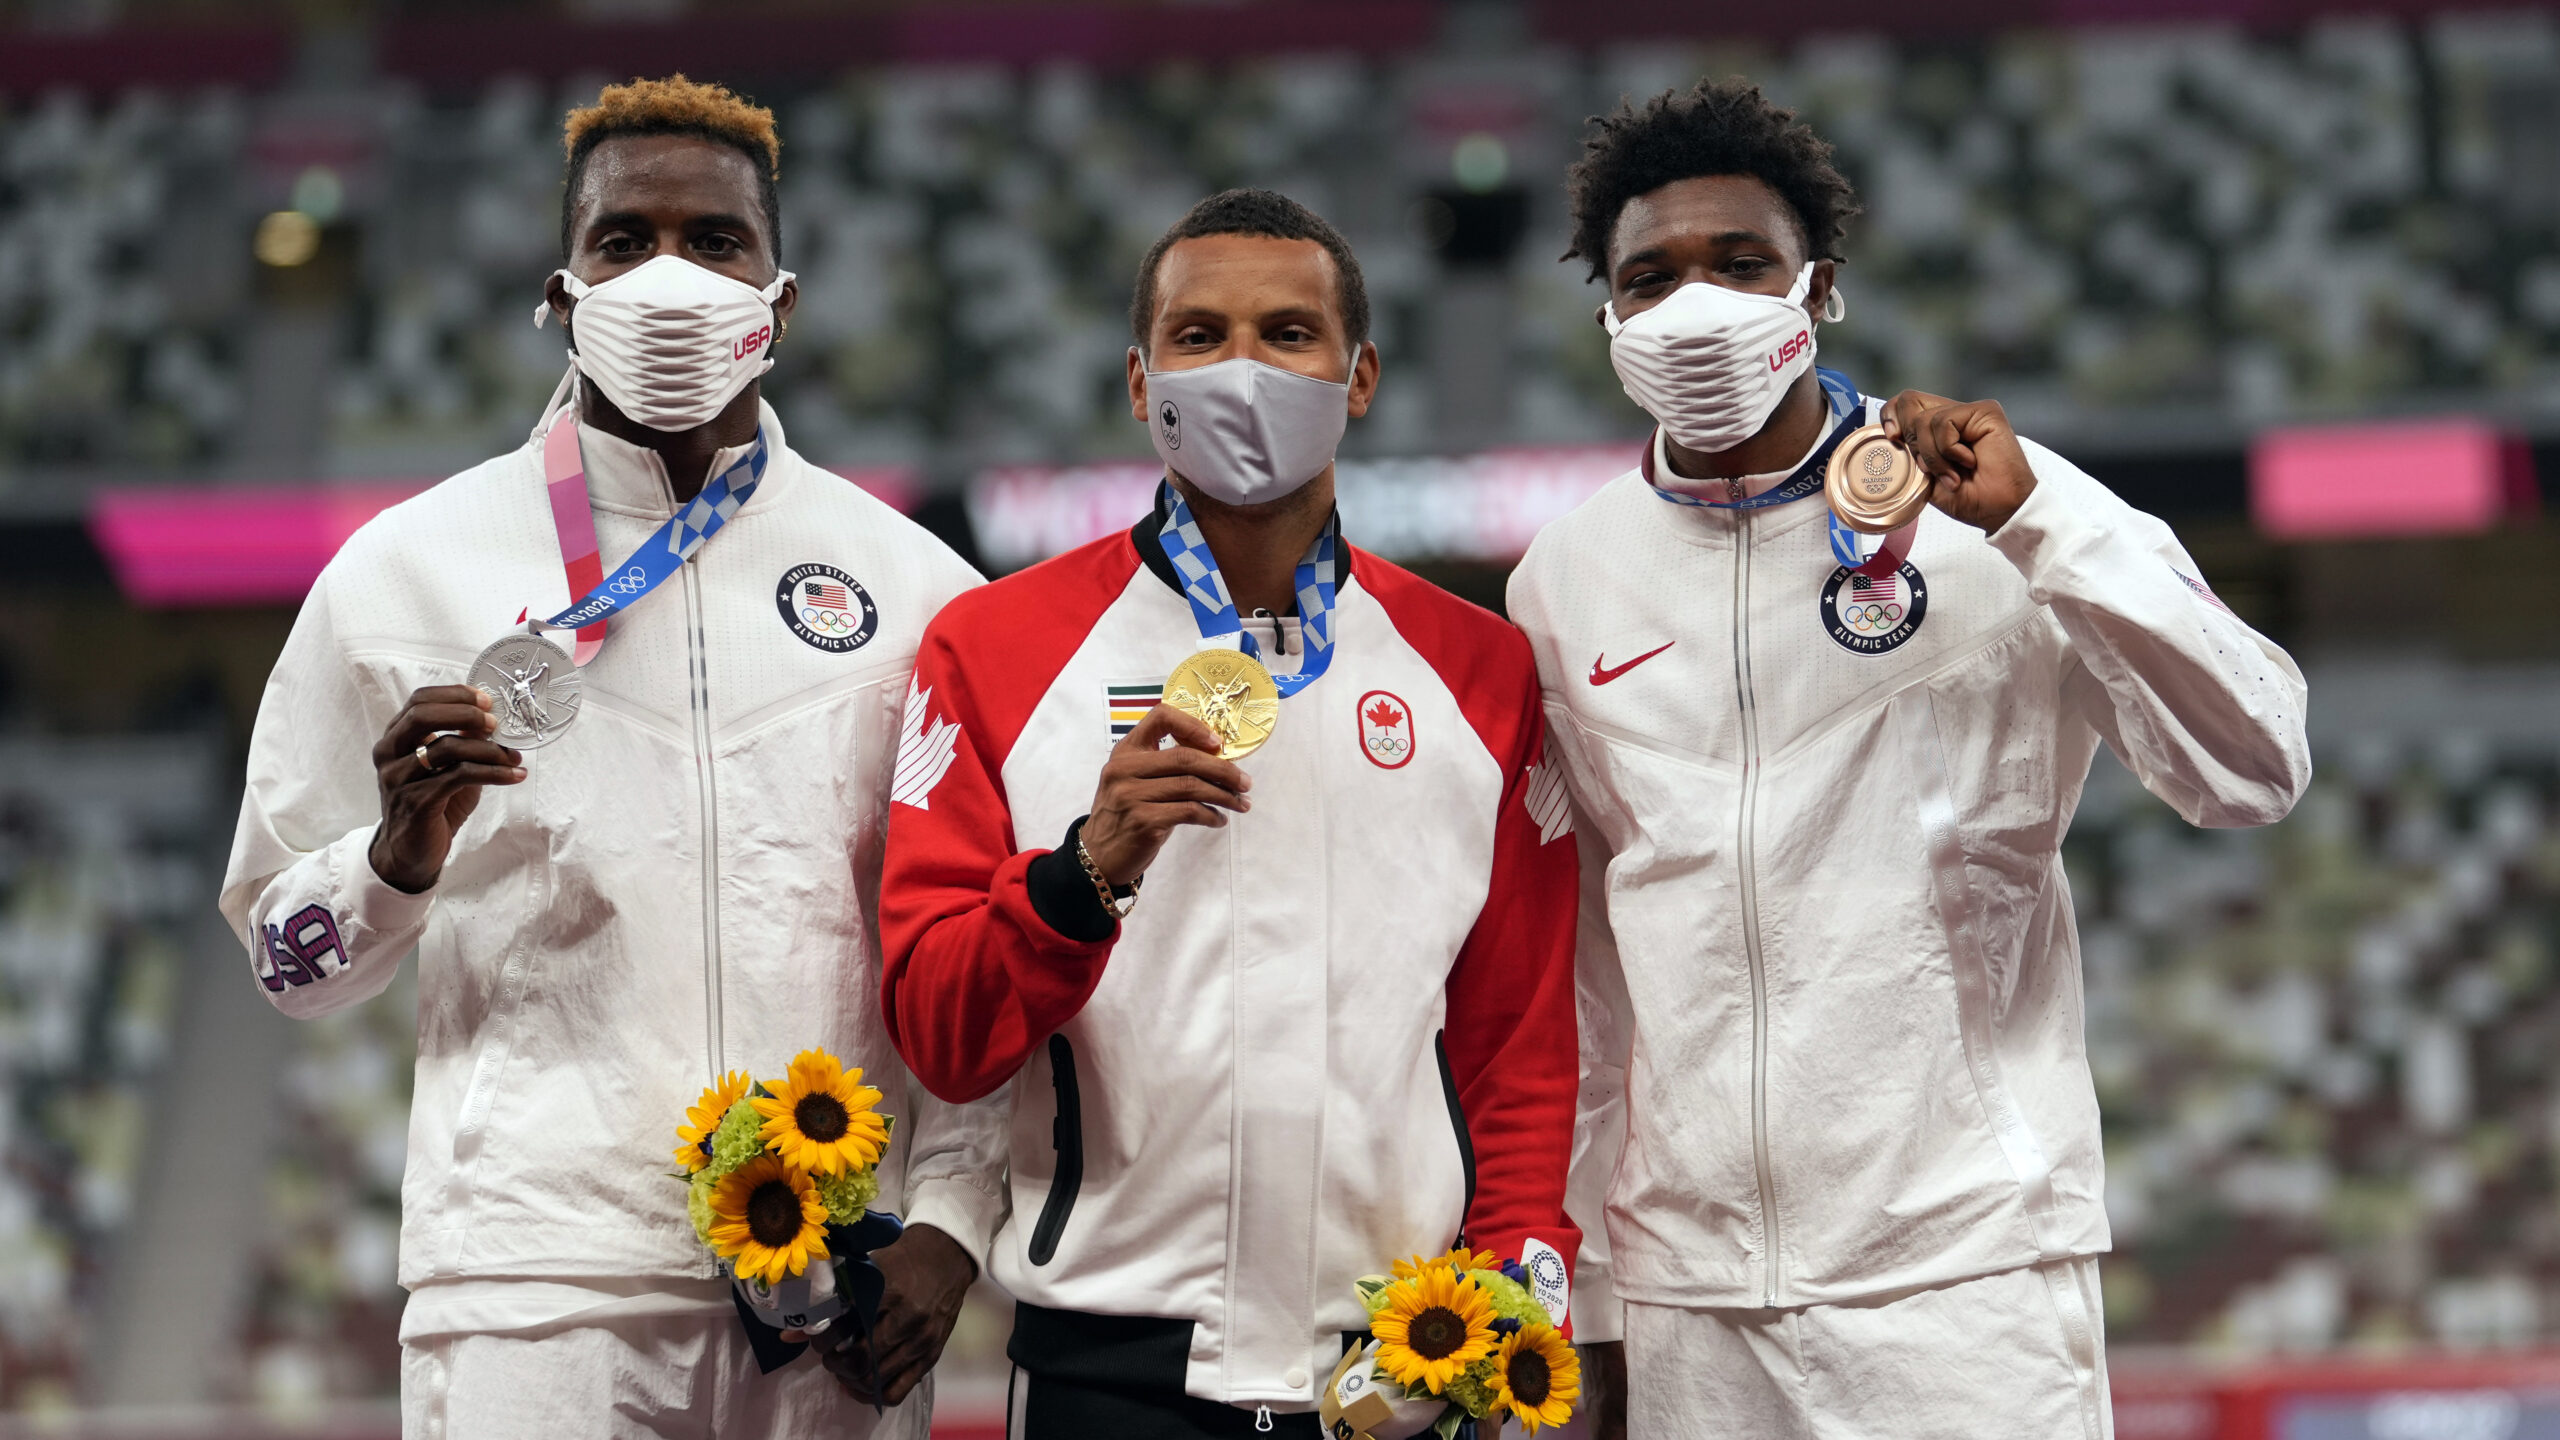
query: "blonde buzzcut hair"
674, 105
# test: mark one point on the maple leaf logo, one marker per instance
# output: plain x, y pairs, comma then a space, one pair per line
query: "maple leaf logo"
1384, 716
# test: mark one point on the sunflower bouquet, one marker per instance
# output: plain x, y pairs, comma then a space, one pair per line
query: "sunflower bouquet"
1457, 1345
780, 1176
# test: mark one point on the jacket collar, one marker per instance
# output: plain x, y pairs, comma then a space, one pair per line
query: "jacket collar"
1148, 535
632, 479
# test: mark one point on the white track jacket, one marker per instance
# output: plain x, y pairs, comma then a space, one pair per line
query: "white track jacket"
687, 881
1828, 965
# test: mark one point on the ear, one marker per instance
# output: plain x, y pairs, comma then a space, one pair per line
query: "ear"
1600, 314
1137, 386
557, 293
1817, 295
1364, 379
784, 304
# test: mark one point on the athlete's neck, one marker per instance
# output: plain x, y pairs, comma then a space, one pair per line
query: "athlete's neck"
687, 454
1258, 547
1795, 428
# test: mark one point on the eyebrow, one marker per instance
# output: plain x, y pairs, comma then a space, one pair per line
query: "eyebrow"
1721, 237
633, 219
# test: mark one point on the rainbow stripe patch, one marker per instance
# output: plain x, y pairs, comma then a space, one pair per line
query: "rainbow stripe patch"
1129, 702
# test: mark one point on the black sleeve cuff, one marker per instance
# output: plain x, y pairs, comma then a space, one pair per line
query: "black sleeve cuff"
1062, 895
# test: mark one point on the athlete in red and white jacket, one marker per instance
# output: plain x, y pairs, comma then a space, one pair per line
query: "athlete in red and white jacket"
1334, 1031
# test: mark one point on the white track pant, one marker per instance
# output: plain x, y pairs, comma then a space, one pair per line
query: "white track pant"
2020, 1355
671, 1376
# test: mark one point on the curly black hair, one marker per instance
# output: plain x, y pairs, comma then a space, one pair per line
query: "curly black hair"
1255, 212
1712, 128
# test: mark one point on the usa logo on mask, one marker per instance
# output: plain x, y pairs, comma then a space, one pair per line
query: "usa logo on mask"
1169, 421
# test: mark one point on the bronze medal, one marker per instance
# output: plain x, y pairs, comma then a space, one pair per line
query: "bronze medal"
1231, 693
1873, 484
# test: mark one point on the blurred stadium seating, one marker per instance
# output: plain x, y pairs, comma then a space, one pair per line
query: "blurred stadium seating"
2174, 232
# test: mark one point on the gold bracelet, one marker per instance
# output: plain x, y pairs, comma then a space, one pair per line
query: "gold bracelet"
1118, 906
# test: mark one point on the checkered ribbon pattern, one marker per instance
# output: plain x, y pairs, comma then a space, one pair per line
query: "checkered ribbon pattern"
1848, 412
1215, 610
665, 551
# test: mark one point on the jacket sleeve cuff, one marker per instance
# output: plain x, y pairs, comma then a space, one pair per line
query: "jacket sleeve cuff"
959, 1209
1062, 895
1598, 1318
373, 902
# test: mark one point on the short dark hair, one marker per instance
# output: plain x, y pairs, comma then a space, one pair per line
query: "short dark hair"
1255, 212
1711, 128
675, 106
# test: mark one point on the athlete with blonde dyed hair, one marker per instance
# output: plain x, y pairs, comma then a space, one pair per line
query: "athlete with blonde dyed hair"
679, 884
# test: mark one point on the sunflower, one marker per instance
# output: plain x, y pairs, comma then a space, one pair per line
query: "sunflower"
702, 1121
1537, 1376
768, 1220
1460, 1260
1432, 1326
820, 1117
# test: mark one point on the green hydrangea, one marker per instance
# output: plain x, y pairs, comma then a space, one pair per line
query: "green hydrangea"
848, 1195
697, 1204
1373, 1292
737, 1141
1510, 1299
1472, 1391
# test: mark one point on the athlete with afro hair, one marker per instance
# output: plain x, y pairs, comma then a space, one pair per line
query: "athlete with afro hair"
1838, 1161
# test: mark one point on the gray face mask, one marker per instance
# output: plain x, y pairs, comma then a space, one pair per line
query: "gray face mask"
1245, 432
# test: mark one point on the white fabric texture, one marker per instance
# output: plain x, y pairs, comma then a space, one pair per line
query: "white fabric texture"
1828, 971
664, 1378
2020, 1355
687, 881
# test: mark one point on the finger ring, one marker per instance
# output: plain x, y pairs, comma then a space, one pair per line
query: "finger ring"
423, 762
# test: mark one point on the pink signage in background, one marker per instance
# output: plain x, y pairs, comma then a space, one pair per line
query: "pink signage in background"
172, 547
2428, 477
232, 545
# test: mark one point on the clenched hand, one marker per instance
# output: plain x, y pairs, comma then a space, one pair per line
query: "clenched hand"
1976, 469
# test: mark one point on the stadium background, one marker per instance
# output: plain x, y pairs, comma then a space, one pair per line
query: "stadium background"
2281, 270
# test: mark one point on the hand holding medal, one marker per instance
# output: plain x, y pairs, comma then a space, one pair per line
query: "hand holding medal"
430, 764
1149, 787
1966, 452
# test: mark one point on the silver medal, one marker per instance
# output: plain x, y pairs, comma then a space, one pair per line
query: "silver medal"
533, 686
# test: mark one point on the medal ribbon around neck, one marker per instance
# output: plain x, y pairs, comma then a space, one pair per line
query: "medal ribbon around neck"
659, 557
1215, 610
1848, 412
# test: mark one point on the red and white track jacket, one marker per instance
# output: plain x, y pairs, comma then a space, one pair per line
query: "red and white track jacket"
1335, 1032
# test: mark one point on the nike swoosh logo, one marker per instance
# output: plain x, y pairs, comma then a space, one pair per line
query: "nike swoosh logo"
1602, 675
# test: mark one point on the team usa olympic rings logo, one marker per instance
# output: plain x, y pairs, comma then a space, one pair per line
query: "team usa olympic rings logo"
1879, 615
826, 608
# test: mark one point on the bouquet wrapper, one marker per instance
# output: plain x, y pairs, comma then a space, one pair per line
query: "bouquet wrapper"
844, 1287
1358, 1405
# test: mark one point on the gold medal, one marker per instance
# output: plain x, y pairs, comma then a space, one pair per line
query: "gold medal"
1230, 692
1872, 483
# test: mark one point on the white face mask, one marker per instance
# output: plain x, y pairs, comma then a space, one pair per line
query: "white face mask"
669, 342
1710, 363
1245, 432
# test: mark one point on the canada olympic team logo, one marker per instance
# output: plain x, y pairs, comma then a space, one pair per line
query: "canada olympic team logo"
1386, 730
826, 607
1870, 614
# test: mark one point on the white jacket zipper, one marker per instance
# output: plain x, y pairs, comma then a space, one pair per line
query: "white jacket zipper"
698, 667
1746, 867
